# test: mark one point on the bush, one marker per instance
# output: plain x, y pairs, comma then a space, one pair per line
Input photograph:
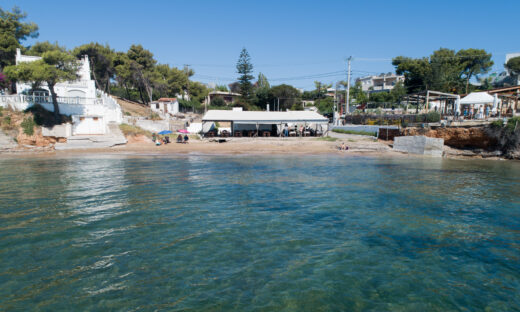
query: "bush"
354, 132
433, 117
43, 117
497, 124
218, 102
28, 125
155, 116
6, 123
512, 124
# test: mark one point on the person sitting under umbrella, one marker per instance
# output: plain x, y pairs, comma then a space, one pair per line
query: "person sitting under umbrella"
179, 138
186, 138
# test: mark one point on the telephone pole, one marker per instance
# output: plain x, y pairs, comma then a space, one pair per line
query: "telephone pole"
335, 104
347, 100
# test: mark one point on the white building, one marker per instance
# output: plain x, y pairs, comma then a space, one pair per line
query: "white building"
165, 106
91, 110
383, 82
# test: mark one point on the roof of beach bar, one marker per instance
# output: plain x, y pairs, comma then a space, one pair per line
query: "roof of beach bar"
260, 117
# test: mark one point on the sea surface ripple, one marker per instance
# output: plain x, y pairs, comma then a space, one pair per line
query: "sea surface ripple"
259, 233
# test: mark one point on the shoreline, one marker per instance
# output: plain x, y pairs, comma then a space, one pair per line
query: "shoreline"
361, 147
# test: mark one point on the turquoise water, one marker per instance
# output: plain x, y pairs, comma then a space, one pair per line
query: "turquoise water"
249, 233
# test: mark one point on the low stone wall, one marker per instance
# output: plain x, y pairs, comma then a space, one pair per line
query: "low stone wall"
420, 145
58, 131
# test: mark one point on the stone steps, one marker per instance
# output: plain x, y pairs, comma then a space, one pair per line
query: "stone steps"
113, 138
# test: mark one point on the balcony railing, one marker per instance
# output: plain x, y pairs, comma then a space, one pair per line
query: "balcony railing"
34, 99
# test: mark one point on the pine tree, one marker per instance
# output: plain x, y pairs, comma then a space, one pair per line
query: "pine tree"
245, 68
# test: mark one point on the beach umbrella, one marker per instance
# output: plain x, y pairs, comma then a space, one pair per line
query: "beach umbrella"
165, 132
183, 131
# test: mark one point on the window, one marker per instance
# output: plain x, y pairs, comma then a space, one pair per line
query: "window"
81, 118
96, 118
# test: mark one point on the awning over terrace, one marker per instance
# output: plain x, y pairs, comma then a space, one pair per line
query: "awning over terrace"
256, 117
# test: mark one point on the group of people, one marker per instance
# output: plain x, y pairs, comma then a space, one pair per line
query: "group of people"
166, 140
298, 131
477, 113
343, 147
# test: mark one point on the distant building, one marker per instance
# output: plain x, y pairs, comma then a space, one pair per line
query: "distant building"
383, 82
165, 106
229, 97
505, 79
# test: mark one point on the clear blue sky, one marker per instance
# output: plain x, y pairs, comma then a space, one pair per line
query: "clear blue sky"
286, 39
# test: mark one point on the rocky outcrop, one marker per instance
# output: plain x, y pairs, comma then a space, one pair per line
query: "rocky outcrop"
458, 137
37, 139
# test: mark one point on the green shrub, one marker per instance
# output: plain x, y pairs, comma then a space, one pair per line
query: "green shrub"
513, 123
218, 102
128, 114
354, 132
155, 116
497, 124
433, 117
28, 125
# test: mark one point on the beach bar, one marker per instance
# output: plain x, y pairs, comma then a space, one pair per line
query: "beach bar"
262, 123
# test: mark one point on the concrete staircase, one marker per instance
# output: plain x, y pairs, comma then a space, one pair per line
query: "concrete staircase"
6, 143
112, 138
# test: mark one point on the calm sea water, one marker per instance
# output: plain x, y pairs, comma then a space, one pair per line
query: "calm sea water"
281, 233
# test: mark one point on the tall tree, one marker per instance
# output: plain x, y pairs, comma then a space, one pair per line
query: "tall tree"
287, 95
474, 62
13, 30
262, 81
513, 65
55, 66
445, 70
245, 69
417, 72
142, 68
101, 58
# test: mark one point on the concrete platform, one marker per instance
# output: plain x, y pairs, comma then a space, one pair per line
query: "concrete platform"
419, 145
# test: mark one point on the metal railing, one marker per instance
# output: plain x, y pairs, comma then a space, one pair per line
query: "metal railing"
38, 99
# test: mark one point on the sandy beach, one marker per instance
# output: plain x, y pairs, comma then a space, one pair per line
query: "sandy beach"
357, 145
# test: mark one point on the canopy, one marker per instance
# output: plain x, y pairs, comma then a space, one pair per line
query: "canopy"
261, 117
477, 98
165, 132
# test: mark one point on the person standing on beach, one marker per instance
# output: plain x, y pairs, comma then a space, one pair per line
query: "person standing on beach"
286, 130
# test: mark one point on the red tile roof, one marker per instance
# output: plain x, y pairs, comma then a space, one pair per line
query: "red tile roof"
167, 100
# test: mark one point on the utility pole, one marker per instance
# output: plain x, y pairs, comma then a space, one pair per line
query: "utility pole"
335, 104
347, 100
